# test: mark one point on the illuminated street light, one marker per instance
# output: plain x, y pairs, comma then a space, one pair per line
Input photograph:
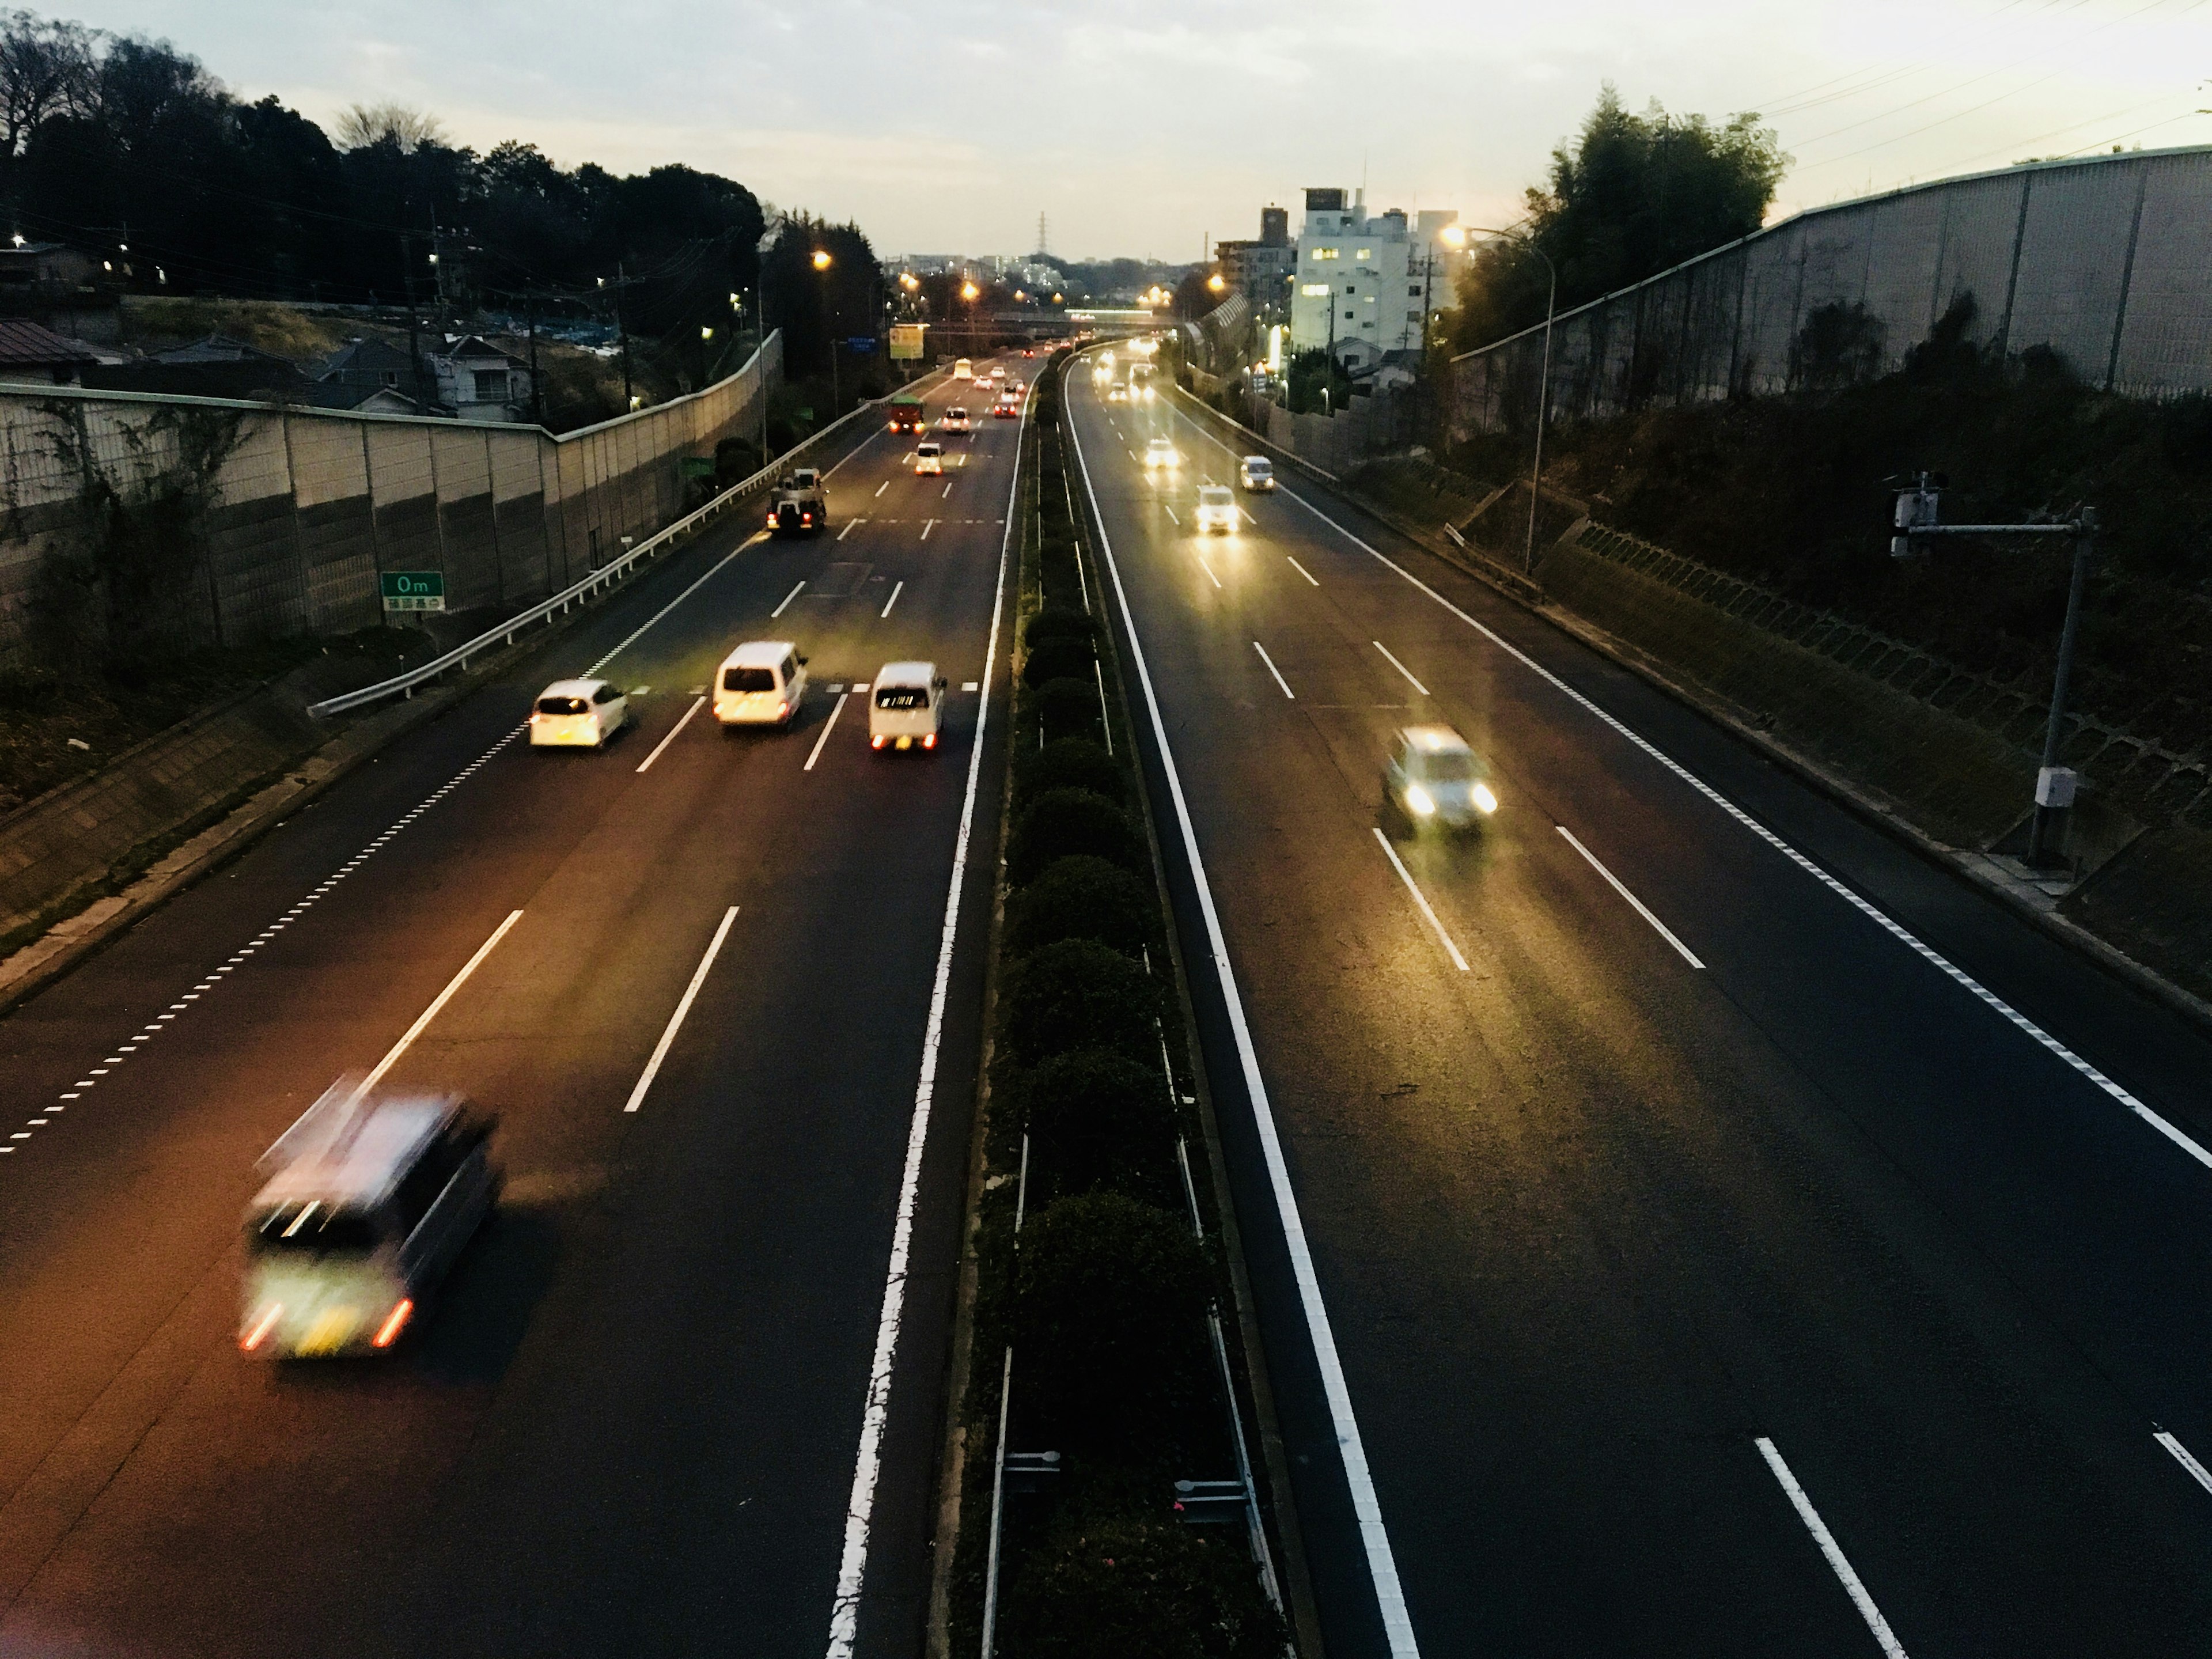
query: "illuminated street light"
1453, 236
1215, 283
821, 259
706, 333
969, 290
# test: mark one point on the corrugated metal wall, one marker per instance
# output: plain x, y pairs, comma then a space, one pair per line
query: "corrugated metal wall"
307, 506
2106, 261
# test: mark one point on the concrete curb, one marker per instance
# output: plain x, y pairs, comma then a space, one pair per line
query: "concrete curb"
1957, 861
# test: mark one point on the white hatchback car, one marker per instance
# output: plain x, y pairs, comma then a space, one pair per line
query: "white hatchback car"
1160, 452
1216, 508
577, 714
761, 683
956, 420
1256, 473
907, 706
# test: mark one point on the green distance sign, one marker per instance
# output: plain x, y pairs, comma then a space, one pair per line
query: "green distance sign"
413, 590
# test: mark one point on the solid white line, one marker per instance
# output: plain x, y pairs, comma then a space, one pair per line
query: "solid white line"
816, 753
1171, 512
1865, 906
851, 525
1302, 570
757, 536
1826, 1540
1407, 875
672, 731
1208, 569
1665, 932
682, 1007
2181, 1455
1366, 1507
431, 1013
867, 1465
1272, 669
893, 600
788, 598
1402, 669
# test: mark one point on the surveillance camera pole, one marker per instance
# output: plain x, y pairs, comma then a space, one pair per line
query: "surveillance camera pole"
1914, 521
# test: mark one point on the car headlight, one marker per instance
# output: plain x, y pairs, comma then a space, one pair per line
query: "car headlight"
1484, 799
1418, 799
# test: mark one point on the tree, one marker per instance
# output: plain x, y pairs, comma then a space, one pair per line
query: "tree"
404, 129
46, 68
1634, 195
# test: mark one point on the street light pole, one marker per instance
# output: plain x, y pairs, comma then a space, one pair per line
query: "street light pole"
1543, 390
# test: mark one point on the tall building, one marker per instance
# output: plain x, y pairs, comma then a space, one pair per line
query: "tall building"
1362, 286
1261, 271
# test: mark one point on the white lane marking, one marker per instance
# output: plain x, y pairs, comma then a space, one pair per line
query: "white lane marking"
1171, 512
788, 598
815, 754
1665, 932
1826, 1539
1272, 669
756, 536
423, 1020
893, 600
851, 525
1366, 1506
927, 525
882, 487
1402, 669
970, 685
867, 1466
682, 1007
1865, 906
2198, 1472
948, 489
1414, 887
1302, 570
1208, 569
672, 733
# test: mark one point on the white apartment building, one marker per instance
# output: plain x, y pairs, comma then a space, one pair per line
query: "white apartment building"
1363, 284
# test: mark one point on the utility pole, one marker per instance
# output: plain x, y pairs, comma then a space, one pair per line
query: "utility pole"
621, 334
537, 390
414, 343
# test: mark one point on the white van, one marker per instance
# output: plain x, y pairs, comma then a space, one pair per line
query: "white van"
928, 459
760, 683
908, 708
963, 370
366, 1200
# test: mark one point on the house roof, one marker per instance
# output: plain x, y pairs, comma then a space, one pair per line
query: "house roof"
366, 355
475, 346
377, 399
218, 349
23, 341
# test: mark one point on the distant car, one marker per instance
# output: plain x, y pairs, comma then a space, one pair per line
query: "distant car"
1117, 394
963, 370
1216, 508
907, 707
1007, 408
928, 459
998, 371
956, 419
1016, 386
577, 714
1028, 353
1160, 452
1433, 778
762, 683
1256, 473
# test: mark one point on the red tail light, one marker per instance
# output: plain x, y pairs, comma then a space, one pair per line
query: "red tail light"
394, 1322
876, 742
930, 742
262, 1326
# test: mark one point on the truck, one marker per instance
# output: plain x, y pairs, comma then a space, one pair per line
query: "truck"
798, 504
908, 415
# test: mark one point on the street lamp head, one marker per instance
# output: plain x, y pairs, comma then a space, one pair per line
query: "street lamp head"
821, 259
1215, 283
706, 333
969, 290
1453, 236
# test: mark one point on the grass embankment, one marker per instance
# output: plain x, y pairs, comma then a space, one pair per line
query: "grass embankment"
1099, 1268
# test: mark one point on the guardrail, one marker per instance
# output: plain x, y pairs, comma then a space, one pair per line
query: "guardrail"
606, 576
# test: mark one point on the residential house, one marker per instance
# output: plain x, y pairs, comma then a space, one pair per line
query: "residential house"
1262, 270
31, 353
1363, 284
372, 376
477, 381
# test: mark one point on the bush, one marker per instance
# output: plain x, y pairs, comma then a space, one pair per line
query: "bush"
1068, 764
1118, 1588
1098, 1119
1082, 897
1059, 623
1109, 1298
1080, 993
1063, 823
1068, 709
1055, 658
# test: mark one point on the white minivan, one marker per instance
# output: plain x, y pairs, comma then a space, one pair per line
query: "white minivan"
963, 370
760, 683
366, 1203
908, 708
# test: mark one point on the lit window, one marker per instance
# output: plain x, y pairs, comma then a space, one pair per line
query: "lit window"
1315, 290
1325, 254
1364, 253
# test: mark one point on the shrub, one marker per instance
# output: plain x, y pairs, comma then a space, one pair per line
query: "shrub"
1060, 623
1068, 709
1109, 1299
1068, 764
1056, 657
1063, 823
1097, 1119
1080, 993
1082, 897
1119, 1587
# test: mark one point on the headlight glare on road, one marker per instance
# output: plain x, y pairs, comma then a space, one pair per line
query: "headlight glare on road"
1418, 799
1484, 799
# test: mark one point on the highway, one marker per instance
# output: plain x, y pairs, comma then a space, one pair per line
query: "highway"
684, 1394
1682, 1220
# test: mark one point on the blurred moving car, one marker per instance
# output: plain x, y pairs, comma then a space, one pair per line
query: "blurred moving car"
1256, 473
762, 683
1160, 452
1216, 508
908, 706
1008, 407
366, 1201
1433, 777
928, 458
998, 371
577, 714
963, 370
1117, 394
957, 419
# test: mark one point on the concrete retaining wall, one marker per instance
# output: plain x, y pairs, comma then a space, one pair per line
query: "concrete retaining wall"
298, 511
2106, 261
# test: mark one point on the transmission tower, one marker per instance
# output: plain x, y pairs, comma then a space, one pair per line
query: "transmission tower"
1043, 247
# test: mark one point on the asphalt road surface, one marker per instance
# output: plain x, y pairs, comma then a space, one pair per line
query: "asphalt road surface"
633, 1422
1700, 1226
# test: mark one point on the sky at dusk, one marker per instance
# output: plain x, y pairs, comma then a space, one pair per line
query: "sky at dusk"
1144, 128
